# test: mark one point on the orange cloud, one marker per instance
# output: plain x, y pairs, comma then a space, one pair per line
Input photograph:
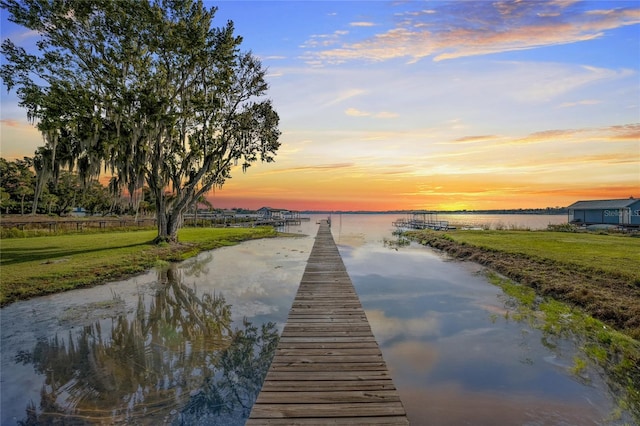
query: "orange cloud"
475, 139
14, 123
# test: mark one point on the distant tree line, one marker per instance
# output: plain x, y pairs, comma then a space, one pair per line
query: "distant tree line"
546, 210
19, 182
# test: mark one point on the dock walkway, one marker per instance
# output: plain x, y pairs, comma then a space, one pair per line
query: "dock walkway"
328, 368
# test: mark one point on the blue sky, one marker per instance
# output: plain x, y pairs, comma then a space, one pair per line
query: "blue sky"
466, 104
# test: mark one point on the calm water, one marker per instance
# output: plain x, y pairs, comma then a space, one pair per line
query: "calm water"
454, 357
191, 344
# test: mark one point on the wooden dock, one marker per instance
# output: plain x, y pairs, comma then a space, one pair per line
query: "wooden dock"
328, 368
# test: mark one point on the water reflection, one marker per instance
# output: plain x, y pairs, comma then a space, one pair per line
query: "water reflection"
176, 359
455, 355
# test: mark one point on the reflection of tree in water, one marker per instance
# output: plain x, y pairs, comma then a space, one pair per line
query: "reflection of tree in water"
175, 360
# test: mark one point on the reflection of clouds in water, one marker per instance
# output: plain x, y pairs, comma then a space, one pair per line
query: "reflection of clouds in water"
419, 264
400, 295
494, 309
255, 275
352, 240
410, 357
250, 309
377, 259
450, 404
385, 328
254, 290
512, 360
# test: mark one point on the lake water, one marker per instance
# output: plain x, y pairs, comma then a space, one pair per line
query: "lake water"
191, 344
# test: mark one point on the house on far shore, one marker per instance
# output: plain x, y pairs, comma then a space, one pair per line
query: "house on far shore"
78, 212
623, 212
277, 214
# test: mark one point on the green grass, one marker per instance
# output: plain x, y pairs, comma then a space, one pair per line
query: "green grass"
41, 265
617, 254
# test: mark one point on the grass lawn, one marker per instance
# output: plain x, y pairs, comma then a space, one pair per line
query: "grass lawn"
617, 254
41, 265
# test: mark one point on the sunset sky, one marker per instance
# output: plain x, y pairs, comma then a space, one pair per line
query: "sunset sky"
431, 104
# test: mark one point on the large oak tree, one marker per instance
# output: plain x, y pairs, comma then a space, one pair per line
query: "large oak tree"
148, 91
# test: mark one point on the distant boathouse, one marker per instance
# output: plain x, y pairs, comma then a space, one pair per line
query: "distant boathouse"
623, 212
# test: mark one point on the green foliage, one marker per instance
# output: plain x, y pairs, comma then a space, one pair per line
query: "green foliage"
562, 227
579, 365
149, 90
17, 185
525, 295
12, 233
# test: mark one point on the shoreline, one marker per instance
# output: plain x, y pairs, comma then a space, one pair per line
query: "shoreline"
74, 261
604, 295
599, 308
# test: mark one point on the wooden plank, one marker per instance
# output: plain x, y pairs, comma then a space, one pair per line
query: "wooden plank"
344, 409
324, 319
326, 339
327, 357
377, 421
327, 345
328, 368
334, 352
313, 328
314, 397
327, 385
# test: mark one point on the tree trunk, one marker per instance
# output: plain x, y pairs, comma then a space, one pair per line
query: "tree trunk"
173, 224
168, 223
40, 182
163, 235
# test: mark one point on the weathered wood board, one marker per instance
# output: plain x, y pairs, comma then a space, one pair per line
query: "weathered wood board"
328, 368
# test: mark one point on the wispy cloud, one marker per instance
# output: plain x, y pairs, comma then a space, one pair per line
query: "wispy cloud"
362, 24
312, 168
343, 96
24, 35
324, 40
584, 102
354, 112
629, 132
459, 29
475, 139
13, 123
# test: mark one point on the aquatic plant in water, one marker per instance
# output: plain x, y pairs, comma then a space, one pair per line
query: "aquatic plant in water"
617, 354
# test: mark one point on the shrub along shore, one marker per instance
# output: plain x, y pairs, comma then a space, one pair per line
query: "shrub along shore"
582, 285
43, 265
